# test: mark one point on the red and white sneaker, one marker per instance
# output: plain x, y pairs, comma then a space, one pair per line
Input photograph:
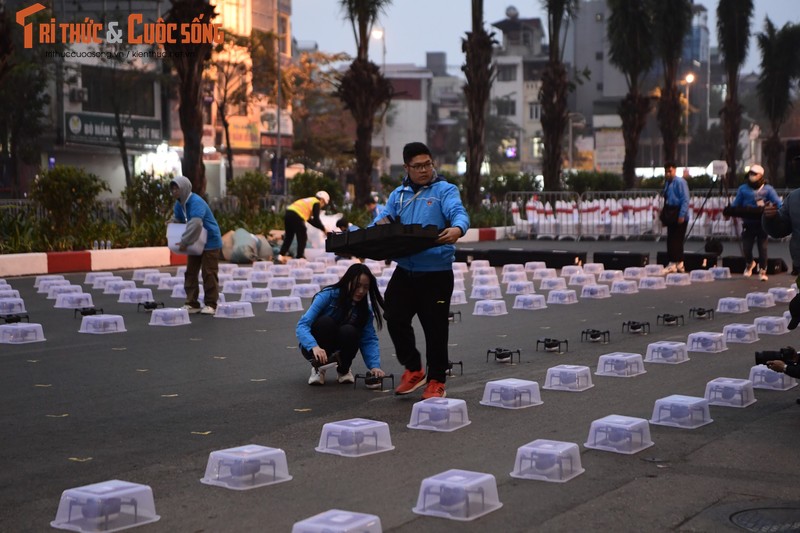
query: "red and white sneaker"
435, 389
410, 382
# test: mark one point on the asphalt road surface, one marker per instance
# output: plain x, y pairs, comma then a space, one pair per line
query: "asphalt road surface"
149, 405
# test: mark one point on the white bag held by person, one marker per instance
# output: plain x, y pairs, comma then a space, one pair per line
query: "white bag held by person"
175, 232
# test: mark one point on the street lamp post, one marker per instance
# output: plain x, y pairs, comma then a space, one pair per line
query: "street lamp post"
380, 33
688, 81
278, 155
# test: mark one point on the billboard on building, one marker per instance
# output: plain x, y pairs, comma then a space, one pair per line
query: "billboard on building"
609, 150
93, 128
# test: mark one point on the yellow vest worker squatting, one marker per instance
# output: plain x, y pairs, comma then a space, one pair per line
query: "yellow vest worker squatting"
302, 211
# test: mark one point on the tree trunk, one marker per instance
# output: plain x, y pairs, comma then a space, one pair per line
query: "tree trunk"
364, 90
633, 110
731, 119
189, 60
190, 112
479, 72
228, 149
363, 149
669, 118
123, 147
553, 96
476, 149
772, 155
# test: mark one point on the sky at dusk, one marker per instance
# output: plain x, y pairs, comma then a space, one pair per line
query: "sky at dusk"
414, 27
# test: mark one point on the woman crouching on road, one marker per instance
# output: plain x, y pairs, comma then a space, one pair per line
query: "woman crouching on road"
339, 322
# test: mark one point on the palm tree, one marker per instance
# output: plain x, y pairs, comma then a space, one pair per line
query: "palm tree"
364, 89
479, 72
630, 30
779, 67
189, 61
674, 19
553, 94
733, 34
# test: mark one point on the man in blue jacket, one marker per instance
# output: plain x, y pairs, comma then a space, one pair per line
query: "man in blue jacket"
422, 283
753, 196
193, 211
676, 196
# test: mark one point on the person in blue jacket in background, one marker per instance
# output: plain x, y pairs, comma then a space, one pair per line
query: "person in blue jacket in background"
422, 283
193, 211
752, 197
676, 196
339, 322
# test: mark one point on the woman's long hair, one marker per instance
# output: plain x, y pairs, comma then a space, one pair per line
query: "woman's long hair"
347, 287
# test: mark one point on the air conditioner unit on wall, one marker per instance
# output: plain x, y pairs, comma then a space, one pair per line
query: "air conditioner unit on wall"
79, 94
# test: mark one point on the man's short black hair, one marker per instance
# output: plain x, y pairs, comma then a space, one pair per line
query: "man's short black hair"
670, 164
412, 150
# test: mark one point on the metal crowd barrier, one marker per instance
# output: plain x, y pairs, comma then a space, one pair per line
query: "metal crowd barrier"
613, 215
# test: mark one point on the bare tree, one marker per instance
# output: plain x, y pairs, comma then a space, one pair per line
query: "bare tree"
229, 74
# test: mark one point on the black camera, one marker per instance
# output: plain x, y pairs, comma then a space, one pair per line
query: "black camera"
786, 354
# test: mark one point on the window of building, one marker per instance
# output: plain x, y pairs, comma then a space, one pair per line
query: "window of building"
600, 86
135, 90
283, 32
538, 147
506, 73
534, 111
598, 56
506, 108
527, 39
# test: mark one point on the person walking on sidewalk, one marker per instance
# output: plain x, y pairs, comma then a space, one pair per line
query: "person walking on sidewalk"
302, 211
422, 283
193, 211
339, 323
676, 200
751, 199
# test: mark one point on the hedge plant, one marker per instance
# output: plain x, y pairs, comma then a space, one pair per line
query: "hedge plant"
68, 196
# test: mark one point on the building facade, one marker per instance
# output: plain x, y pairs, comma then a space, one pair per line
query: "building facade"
103, 96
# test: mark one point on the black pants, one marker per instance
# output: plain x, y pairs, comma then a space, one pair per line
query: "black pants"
752, 234
332, 337
427, 295
676, 234
294, 225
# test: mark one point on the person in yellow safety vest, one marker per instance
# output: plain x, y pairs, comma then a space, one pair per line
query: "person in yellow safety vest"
302, 211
